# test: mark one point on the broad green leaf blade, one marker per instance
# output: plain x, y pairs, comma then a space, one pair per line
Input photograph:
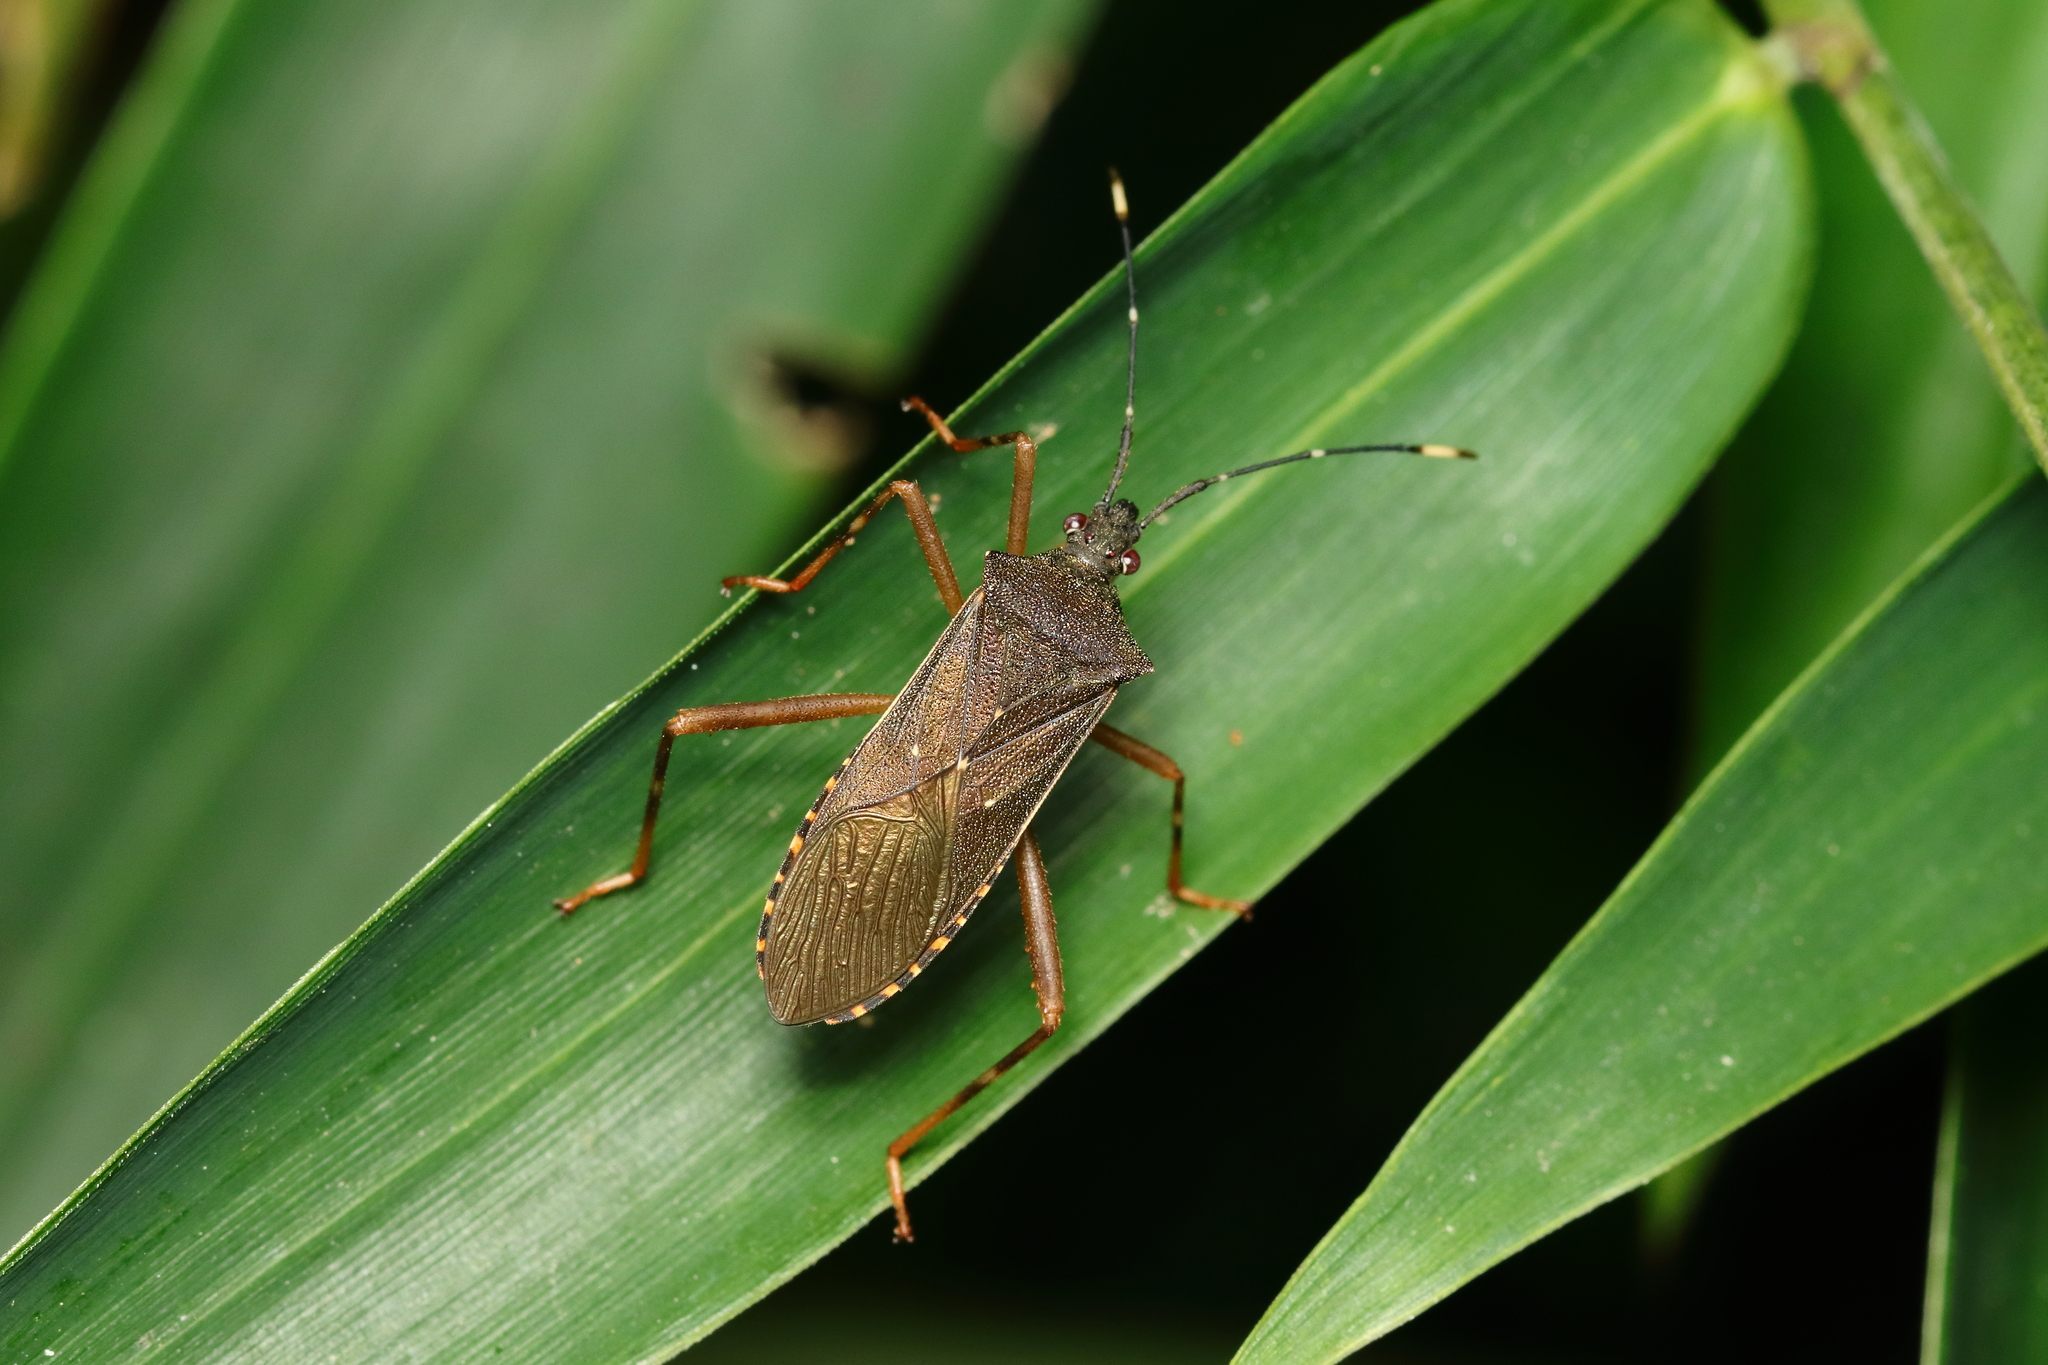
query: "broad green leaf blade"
1571, 235
1884, 429
1988, 1259
394, 397
1871, 852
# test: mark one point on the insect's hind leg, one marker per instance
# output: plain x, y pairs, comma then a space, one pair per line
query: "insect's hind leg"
1150, 759
694, 720
1041, 941
1023, 469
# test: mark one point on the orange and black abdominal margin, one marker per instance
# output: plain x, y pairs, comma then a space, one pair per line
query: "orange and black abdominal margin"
908, 974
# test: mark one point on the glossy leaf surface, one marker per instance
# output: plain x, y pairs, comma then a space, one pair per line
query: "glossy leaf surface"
397, 390
1570, 235
1870, 853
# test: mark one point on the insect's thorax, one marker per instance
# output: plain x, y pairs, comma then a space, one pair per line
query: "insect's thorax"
1069, 607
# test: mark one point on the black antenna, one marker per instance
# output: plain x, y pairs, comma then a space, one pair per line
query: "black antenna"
1123, 226
1435, 452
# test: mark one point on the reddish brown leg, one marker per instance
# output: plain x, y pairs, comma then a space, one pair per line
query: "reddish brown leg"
696, 720
1150, 759
1022, 473
1041, 941
920, 513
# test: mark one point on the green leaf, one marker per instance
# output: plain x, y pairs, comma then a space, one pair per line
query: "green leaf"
1988, 1260
1884, 429
1870, 853
1831, 42
1570, 235
396, 393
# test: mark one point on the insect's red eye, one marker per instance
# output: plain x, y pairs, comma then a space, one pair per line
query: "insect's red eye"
1076, 522
1127, 562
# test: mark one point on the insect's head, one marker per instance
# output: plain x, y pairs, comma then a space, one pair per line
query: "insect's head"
1103, 538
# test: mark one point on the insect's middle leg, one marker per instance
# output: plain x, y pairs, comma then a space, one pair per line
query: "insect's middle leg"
1041, 941
1150, 759
695, 720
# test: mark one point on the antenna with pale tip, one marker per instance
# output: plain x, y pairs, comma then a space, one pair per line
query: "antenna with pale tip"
1433, 451
1122, 206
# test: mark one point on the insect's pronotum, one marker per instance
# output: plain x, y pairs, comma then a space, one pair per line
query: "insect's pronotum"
909, 834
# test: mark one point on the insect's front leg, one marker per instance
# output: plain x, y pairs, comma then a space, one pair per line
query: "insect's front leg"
694, 720
1023, 469
920, 513
1042, 942
1151, 760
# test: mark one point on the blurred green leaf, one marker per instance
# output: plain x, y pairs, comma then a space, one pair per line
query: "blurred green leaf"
1870, 853
399, 386
1988, 1263
1571, 235
46, 48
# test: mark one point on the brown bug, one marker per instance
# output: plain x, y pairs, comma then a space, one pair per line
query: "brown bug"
910, 833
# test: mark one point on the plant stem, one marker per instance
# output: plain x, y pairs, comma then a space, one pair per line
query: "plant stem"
1832, 44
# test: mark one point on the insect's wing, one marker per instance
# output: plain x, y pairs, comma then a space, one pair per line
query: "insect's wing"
873, 894
859, 903
904, 842
1007, 776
